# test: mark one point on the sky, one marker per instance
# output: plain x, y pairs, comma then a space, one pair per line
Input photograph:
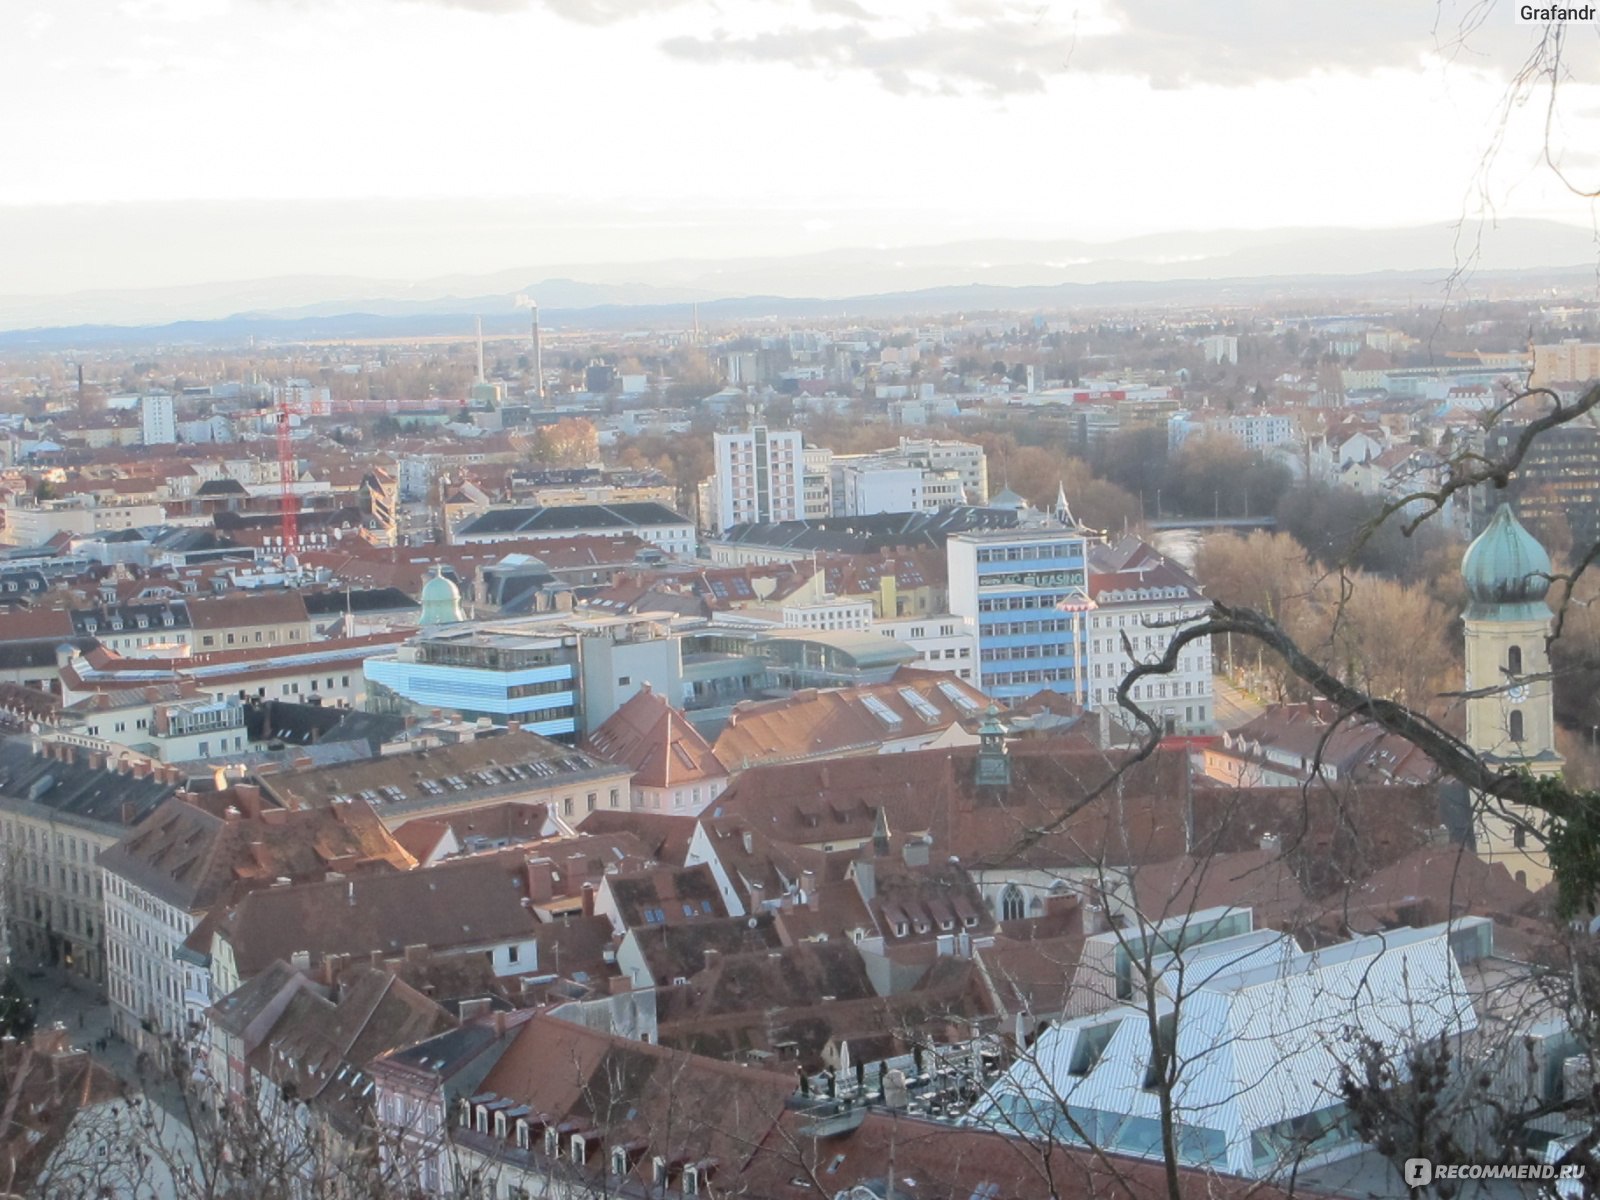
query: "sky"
167, 142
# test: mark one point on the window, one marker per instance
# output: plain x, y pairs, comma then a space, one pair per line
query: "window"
552, 1141
1514, 725
1011, 903
1514, 660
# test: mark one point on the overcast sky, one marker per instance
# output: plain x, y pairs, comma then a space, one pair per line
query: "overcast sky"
647, 129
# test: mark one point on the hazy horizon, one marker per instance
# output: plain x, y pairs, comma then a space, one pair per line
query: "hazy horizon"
207, 141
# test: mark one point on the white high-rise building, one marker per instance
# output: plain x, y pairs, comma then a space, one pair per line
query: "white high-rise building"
760, 477
965, 458
160, 420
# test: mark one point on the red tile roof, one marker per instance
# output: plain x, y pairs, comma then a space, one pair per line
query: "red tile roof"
657, 742
819, 724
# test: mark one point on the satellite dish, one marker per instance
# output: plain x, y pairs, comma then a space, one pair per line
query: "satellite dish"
751, 923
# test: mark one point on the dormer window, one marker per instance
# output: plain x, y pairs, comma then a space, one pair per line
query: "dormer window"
900, 929
482, 1124
579, 1149
500, 1125
970, 921
691, 1181
522, 1134
619, 1160
658, 1171
552, 1141
466, 1114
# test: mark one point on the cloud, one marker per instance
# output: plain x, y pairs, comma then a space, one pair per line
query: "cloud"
1004, 47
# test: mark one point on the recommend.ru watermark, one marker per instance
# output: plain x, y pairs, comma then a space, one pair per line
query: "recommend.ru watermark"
1420, 1172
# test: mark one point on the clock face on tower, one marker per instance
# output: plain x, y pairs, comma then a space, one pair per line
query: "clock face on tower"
1517, 693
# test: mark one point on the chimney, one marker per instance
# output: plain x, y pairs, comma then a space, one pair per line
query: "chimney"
97, 760
749, 840
124, 765
513, 726
127, 812
712, 955
141, 769
1269, 842
588, 899
248, 796
498, 1020
541, 880
620, 985
808, 885
417, 952
915, 852
375, 959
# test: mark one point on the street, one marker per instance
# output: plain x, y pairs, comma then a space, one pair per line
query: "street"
1234, 705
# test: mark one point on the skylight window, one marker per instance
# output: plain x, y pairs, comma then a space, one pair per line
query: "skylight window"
957, 697
919, 705
882, 711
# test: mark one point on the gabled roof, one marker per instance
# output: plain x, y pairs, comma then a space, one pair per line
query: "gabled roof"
67, 784
667, 896
817, 724
935, 793
657, 742
679, 1107
193, 858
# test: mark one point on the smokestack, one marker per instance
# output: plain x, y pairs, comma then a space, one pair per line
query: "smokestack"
538, 357
480, 350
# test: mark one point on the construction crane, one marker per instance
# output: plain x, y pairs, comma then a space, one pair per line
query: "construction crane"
286, 472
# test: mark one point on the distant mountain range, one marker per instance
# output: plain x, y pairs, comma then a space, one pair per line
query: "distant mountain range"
1405, 265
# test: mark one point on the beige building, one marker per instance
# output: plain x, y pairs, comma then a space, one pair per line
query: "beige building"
1565, 362
35, 524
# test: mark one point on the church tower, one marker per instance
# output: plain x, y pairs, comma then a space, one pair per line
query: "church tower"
1507, 574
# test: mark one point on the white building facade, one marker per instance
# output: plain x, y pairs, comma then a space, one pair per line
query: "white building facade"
1144, 598
159, 419
760, 477
943, 642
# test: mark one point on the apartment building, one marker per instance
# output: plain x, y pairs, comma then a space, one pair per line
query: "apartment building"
1569, 361
760, 477
966, 459
60, 806
1141, 596
192, 854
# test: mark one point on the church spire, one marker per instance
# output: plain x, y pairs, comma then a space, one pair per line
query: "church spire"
1063, 509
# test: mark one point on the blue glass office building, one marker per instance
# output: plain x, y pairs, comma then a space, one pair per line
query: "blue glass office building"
1025, 591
